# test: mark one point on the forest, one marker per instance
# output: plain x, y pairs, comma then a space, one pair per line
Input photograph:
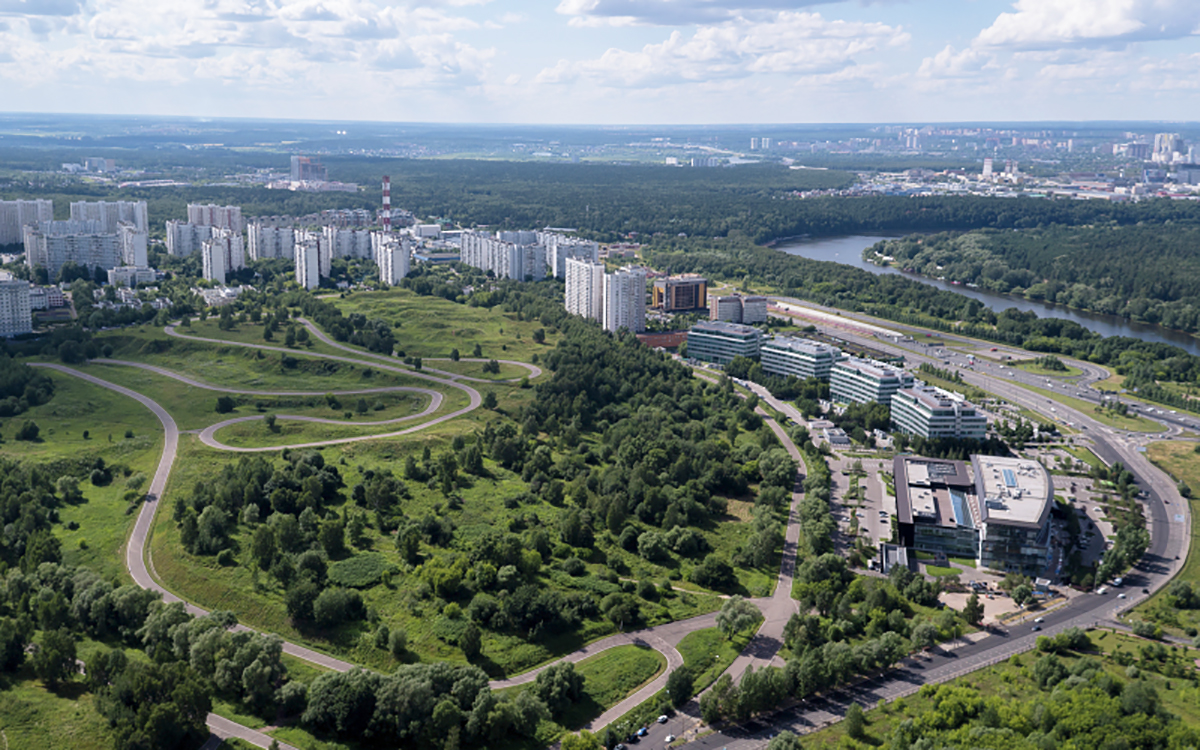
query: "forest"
1149, 272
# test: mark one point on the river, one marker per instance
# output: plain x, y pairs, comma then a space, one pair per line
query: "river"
848, 250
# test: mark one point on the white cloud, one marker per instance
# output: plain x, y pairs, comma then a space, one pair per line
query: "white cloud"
950, 63
789, 43
669, 12
1044, 24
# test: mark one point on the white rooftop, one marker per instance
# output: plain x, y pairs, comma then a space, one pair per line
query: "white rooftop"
1015, 490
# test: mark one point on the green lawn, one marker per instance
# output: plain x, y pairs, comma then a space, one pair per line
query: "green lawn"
1182, 462
1036, 369
256, 434
432, 326
609, 677
940, 572
1116, 421
33, 718
475, 369
708, 653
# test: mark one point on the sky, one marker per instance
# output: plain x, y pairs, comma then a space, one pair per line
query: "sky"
606, 61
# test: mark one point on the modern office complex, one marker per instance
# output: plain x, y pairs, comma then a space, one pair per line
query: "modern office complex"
680, 293
585, 288
15, 215
785, 355
221, 254
16, 315
998, 517
625, 300
183, 238
720, 341
265, 240
111, 213
935, 413
392, 255
212, 215
560, 247
735, 308
508, 255
861, 381
131, 276
85, 243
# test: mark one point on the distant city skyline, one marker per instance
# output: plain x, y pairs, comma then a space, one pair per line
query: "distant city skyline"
606, 61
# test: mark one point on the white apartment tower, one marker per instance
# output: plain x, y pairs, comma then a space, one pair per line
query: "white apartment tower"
625, 300
212, 215
266, 241
391, 256
16, 314
222, 253
509, 255
324, 251
183, 239
111, 213
585, 288
14, 215
133, 244
53, 243
348, 243
308, 261
559, 247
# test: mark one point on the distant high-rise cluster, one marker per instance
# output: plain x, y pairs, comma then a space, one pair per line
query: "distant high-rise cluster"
210, 215
1169, 148
15, 215
617, 300
111, 213
308, 169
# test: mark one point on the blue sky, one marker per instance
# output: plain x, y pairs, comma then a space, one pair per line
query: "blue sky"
606, 61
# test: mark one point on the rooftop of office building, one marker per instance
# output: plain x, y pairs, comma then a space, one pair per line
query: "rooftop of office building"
936, 398
723, 327
803, 346
1014, 491
871, 368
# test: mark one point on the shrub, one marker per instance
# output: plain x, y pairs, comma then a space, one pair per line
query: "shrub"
225, 557
28, 431
225, 404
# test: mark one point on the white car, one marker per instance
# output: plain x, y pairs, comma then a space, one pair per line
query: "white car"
1120, 596
670, 738
662, 719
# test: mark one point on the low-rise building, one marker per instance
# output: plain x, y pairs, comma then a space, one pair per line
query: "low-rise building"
680, 293
786, 355
131, 276
935, 413
862, 381
719, 341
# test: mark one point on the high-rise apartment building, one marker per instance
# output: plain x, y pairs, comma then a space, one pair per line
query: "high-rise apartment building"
85, 243
324, 251
133, 244
625, 300
223, 253
348, 243
509, 255
307, 168
308, 261
1167, 146
183, 238
559, 247
212, 215
585, 288
111, 213
16, 314
15, 215
265, 241
392, 255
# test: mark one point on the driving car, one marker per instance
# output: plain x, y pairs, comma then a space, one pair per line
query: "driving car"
1037, 628
670, 738
662, 719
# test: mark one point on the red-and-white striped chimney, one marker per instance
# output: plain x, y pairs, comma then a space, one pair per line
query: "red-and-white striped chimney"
387, 204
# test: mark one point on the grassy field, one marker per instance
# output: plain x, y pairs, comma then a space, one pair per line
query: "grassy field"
92, 533
1036, 369
475, 369
432, 326
33, 718
1116, 421
194, 408
708, 653
610, 676
256, 434
1013, 680
1182, 462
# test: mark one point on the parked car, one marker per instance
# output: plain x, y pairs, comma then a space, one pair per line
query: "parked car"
662, 719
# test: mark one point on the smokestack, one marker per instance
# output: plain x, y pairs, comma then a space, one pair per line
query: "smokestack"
387, 204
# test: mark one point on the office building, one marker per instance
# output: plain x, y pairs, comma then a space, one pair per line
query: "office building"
996, 514
862, 381
133, 244
392, 256
585, 288
308, 169
508, 255
560, 247
625, 300
680, 293
805, 359
348, 243
222, 254
111, 213
934, 413
308, 260
53, 243
131, 276
738, 309
212, 215
1168, 147
720, 341
183, 239
15, 215
265, 241
16, 314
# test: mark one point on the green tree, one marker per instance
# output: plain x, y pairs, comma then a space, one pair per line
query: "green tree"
470, 641
855, 722
54, 660
263, 546
1022, 594
454, 356
681, 686
973, 611
225, 404
489, 400
736, 615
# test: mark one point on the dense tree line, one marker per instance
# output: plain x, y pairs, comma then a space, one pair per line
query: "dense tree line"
21, 386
